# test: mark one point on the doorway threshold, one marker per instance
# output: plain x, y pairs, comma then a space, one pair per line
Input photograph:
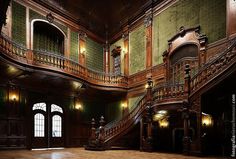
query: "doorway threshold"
51, 148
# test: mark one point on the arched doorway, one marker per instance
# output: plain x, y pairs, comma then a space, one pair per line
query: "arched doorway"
48, 126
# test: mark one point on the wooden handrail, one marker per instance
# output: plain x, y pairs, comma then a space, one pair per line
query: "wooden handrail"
59, 63
214, 68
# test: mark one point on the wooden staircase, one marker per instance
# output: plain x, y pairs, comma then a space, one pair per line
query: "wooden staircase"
162, 94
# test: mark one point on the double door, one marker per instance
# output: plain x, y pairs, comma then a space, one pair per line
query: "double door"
48, 126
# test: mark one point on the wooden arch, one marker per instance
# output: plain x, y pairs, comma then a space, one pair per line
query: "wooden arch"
185, 37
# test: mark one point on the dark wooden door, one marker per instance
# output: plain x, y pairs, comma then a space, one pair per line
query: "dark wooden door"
48, 126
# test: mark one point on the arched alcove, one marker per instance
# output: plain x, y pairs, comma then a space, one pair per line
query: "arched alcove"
47, 38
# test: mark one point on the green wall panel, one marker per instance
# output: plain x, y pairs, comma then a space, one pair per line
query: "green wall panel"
209, 14
74, 46
113, 46
213, 19
94, 55
19, 23
137, 60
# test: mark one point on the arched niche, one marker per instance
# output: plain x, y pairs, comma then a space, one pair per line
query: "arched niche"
47, 37
186, 47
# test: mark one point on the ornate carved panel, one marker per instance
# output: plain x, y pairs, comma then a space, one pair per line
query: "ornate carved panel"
184, 48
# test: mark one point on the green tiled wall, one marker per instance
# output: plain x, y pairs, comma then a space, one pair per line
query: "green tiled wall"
18, 23
117, 43
94, 55
213, 19
209, 14
47, 42
74, 46
137, 58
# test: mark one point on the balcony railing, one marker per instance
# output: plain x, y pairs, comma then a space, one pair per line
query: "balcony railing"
59, 63
168, 91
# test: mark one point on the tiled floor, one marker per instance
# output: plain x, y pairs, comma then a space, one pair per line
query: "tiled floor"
80, 153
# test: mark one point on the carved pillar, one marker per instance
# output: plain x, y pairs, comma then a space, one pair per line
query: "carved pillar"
126, 53
202, 50
147, 140
107, 57
93, 131
148, 25
101, 135
185, 111
82, 48
196, 106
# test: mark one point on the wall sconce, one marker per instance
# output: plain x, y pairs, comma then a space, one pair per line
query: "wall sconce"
149, 83
207, 120
124, 105
13, 94
82, 50
124, 50
13, 97
78, 106
164, 123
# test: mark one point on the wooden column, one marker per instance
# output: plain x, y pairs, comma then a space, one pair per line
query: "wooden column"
82, 48
185, 111
126, 49
231, 17
106, 58
148, 25
202, 50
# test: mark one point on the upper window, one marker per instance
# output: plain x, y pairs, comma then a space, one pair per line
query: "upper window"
55, 108
40, 106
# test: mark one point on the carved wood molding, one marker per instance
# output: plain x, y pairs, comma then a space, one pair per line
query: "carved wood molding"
186, 36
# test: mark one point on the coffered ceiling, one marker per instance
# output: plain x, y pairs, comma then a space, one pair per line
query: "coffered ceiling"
103, 17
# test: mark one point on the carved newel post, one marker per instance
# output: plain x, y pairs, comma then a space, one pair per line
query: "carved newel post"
93, 131
186, 111
101, 135
147, 141
92, 143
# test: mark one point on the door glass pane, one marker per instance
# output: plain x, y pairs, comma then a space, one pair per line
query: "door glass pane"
56, 126
56, 108
39, 125
40, 106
